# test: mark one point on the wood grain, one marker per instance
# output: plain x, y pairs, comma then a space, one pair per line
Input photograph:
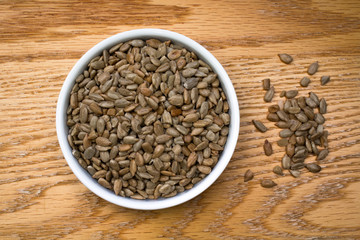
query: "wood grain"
40, 41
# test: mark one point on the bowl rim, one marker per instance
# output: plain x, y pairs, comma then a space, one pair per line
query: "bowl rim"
148, 204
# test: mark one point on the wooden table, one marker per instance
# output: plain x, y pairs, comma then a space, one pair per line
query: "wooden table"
40, 41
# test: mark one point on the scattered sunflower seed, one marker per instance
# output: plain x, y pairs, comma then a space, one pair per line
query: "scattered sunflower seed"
312, 69
295, 173
313, 167
282, 142
324, 80
267, 148
285, 162
266, 83
303, 128
282, 93
286, 133
269, 94
267, 183
285, 58
323, 106
305, 81
291, 93
322, 154
278, 170
259, 126
249, 175
273, 108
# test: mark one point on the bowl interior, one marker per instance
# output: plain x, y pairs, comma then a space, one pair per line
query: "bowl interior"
148, 204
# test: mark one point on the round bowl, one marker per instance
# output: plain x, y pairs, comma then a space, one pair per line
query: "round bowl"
84, 176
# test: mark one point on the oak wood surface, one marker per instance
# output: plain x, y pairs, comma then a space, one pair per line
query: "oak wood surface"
41, 40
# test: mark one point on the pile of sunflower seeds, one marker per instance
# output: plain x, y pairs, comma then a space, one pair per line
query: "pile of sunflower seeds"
301, 120
147, 119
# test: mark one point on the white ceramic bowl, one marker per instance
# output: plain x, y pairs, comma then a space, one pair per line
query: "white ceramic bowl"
85, 177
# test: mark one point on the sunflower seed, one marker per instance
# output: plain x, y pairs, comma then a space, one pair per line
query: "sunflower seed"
273, 117
176, 100
282, 115
309, 112
267, 148
192, 159
103, 141
191, 82
286, 133
310, 102
313, 167
89, 153
301, 117
312, 69
324, 80
163, 138
249, 175
282, 142
291, 93
282, 93
285, 58
269, 94
283, 124
305, 81
274, 108
267, 183
290, 150
319, 118
322, 106
204, 169
259, 126
266, 83
297, 166
189, 72
322, 154
277, 170
295, 173
104, 183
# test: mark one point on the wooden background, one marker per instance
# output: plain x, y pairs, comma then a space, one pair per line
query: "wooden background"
41, 40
